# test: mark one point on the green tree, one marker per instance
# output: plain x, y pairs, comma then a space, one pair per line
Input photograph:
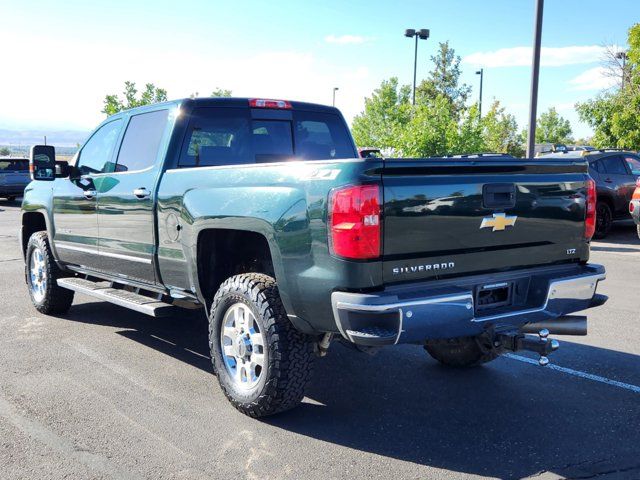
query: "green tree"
614, 114
385, 114
500, 132
440, 123
151, 94
220, 92
552, 128
5, 151
444, 80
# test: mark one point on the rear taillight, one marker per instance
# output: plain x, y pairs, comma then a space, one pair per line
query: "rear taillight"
590, 217
632, 207
354, 222
268, 103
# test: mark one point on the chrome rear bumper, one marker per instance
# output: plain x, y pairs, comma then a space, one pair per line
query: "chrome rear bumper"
415, 313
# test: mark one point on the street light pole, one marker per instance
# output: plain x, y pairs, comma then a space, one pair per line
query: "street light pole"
535, 74
335, 89
622, 56
481, 73
421, 34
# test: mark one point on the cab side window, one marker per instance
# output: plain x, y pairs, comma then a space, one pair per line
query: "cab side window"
141, 141
95, 156
633, 163
614, 165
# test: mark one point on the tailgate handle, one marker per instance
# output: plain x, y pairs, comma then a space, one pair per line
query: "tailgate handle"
499, 195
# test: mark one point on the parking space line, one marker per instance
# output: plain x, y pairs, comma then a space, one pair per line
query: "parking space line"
577, 373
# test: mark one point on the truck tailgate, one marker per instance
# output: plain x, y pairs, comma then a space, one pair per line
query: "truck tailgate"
445, 217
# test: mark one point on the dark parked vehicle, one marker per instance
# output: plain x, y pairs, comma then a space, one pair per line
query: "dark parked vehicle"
615, 173
14, 177
262, 213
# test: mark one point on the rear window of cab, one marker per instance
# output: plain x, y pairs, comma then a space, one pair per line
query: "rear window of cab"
230, 136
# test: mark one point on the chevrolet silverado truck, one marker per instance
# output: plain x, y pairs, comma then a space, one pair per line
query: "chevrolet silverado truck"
262, 213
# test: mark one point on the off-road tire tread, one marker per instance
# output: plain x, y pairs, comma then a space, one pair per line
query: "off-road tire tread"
461, 352
290, 352
57, 300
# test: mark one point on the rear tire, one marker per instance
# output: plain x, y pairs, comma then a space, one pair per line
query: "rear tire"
42, 273
461, 352
262, 362
604, 220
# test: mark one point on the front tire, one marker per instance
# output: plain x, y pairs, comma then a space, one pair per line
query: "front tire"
262, 362
461, 352
42, 273
604, 220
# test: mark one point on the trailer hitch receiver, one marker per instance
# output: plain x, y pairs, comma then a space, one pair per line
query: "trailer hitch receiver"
540, 344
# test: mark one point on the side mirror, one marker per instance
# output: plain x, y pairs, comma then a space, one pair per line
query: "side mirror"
42, 163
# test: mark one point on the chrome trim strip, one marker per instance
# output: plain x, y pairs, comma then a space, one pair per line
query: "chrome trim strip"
102, 254
399, 305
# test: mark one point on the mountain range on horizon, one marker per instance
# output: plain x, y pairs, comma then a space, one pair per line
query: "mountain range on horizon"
61, 138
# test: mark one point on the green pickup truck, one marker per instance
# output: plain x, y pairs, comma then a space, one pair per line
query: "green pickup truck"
262, 213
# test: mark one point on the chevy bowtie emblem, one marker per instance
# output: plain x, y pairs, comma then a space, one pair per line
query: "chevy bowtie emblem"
499, 221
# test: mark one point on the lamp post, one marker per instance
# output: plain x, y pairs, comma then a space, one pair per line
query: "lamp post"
535, 74
622, 55
335, 89
421, 34
481, 73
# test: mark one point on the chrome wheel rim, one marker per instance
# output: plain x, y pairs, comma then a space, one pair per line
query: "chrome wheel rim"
37, 275
242, 345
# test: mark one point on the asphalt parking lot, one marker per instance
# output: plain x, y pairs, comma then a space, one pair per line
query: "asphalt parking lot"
103, 392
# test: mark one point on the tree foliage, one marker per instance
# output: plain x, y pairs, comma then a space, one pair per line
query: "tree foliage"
440, 123
552, 128
614, 114
444, 80
220, 92
5, 151
130, 99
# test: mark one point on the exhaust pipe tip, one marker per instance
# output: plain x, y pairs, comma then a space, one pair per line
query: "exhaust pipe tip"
565, 325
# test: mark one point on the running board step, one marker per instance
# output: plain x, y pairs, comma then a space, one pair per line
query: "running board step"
123, 298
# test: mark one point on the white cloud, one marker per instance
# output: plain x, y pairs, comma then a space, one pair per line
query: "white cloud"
549, 56
345, 39
68, 86
593, 79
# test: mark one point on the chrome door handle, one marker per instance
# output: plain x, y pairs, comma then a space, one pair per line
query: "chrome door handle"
141, 192
89, 194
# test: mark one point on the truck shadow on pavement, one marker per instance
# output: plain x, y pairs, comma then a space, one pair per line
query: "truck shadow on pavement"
507, 419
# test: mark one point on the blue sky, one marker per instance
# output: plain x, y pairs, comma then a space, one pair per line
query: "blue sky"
66, 56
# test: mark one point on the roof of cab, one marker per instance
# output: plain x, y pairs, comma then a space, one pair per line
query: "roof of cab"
237, 102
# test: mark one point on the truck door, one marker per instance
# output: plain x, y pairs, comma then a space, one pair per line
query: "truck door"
75, 219
126, 199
